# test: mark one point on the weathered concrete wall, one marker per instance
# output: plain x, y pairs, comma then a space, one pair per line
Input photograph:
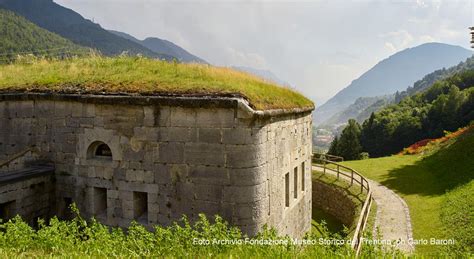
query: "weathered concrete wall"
169, 160
335, 201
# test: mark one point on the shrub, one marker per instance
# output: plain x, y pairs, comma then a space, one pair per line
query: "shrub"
79, 237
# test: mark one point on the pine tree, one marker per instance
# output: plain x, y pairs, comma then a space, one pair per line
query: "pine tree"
349, 143
334, 148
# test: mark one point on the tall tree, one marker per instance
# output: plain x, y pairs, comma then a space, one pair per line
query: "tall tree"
349, 143
334, 148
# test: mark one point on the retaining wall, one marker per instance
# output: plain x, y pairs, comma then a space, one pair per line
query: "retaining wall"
335, 201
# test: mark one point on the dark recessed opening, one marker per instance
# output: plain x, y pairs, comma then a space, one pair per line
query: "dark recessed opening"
100, 202
7, 210
140, 207
287, 189
103, 150
302, 176
295, 184
66, 212
35, 223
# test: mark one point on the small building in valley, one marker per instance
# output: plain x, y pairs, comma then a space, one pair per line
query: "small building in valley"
151, 146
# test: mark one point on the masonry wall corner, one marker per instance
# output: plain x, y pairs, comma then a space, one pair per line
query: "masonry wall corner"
167, 158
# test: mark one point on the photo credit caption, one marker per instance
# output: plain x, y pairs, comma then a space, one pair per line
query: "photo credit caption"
320, 241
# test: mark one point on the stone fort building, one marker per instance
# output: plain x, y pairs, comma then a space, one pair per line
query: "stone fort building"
153, 159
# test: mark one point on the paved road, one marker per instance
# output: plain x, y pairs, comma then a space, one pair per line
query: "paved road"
392, 217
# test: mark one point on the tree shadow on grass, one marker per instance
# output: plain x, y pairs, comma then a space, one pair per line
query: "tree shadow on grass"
448, 168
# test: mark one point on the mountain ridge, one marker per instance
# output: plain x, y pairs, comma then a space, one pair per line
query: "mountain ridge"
394, 73
360, 112
20, 36
162, 46
71, 25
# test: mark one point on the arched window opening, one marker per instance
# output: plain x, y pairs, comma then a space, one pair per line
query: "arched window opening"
99, 150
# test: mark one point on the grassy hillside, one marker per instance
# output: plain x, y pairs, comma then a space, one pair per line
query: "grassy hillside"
19, 36
435, 187
145, 76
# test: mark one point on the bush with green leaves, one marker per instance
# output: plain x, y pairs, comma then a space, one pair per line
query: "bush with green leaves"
80, 237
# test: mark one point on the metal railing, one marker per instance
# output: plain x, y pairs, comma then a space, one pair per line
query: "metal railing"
351, 176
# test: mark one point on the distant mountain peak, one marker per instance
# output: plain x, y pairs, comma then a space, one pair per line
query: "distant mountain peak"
162, 46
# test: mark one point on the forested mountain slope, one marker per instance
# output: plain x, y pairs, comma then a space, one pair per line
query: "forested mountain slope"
19, 36
395, 73
445, 106
364, 106
71, 25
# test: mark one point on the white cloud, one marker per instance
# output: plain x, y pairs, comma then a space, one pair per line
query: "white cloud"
397, 40
389, 46
402, 39
426, 38
421, 3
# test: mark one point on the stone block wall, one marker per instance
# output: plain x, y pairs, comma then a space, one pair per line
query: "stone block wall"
31, 198
169, 159
18, 161
335, 201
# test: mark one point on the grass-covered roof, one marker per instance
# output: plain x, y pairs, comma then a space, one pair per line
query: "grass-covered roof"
133, 75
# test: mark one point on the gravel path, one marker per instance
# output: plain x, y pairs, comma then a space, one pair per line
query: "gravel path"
392, 217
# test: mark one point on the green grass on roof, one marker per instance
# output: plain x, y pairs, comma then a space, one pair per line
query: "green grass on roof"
134, 75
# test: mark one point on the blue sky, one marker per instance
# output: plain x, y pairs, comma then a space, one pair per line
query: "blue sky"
317, 46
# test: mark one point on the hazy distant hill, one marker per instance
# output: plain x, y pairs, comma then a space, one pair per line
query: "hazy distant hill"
395, 73
162, 46
265, 74
72, 26
20, 36
364, 106
359, 109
